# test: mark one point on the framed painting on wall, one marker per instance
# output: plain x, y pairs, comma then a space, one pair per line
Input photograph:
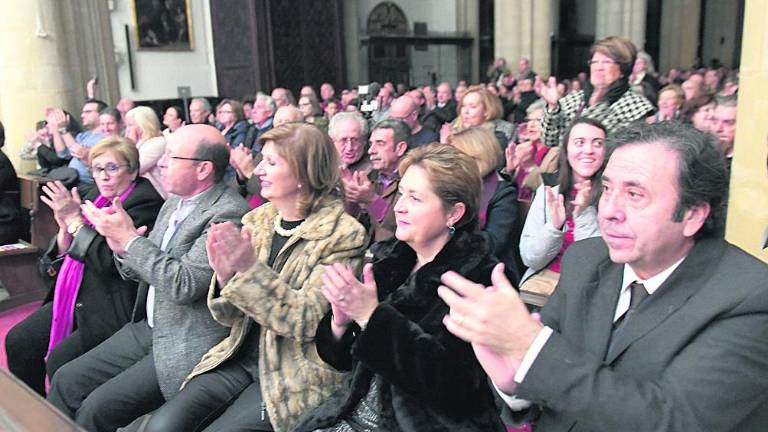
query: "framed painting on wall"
163, 25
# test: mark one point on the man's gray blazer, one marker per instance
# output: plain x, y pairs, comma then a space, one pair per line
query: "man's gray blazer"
184, 329
692, 357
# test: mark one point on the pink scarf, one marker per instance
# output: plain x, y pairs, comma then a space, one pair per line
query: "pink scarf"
68, 285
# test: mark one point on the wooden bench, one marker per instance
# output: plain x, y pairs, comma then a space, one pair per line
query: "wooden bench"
19, 276
23, 410
42, 225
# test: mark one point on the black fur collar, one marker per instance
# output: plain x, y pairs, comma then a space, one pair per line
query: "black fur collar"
394, 260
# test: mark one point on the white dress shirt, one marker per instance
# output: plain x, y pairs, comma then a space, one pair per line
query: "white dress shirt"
651, 285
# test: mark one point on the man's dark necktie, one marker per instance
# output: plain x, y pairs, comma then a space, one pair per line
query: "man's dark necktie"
637, 293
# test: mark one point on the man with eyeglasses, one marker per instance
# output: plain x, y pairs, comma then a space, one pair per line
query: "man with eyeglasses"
144, 363
405, 108
349, 131
77, 147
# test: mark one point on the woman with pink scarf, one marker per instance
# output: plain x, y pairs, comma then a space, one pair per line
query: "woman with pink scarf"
89, 301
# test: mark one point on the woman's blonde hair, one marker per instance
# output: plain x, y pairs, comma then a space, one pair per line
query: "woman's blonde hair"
122, 146
146, 120
481, 145
312, 158
454, 177
676, 89
491, 104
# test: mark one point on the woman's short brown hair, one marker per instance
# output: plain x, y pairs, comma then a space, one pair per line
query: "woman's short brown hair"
491, 104
124, 147
481, 145
235, 106
620, 50
454, 176
312, 158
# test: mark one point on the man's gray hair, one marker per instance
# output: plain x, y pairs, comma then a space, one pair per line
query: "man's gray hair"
204, 101
341, 117
536, 105
730, 101
268, 99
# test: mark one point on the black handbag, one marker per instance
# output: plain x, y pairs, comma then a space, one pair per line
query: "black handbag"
48, 265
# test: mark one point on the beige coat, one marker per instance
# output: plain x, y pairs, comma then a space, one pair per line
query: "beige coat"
288, 305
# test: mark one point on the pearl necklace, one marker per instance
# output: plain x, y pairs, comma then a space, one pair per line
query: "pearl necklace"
282, 232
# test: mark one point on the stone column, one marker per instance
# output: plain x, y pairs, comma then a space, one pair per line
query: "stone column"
621, 18
748, 196
352, 46
468, 20
679, 37
523, 28
48, 51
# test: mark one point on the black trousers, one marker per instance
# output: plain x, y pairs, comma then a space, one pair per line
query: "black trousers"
224, 399
112, 384
27, 344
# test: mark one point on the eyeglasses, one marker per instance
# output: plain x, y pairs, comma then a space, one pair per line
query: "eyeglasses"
189, 159
349, 140
110, 168
606, 62
223, 112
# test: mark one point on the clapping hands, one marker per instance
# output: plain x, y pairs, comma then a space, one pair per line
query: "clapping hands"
351, 300
229, 250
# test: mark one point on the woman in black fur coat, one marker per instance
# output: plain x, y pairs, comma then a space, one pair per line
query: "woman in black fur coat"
408, 373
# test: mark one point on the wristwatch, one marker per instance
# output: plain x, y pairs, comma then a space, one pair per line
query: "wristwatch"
74, 227
62, 130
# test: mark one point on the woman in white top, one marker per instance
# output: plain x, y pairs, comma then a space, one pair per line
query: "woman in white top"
143, 127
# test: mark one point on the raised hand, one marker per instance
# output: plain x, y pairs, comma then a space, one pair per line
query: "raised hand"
509, 155
354, 300
494, 320
445, 133
65, 206
56, 119
91, 88
547, 91
229, 250
556, 206
583, 195
80, 152
114, 223
242, 160
359, 189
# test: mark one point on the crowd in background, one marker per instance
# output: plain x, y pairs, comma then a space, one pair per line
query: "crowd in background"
223, 317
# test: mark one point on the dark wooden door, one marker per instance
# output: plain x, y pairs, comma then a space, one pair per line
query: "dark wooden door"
263, 44
241, 43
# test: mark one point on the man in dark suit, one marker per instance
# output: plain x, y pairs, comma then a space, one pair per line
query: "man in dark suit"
144, 363
445, 110
658, 326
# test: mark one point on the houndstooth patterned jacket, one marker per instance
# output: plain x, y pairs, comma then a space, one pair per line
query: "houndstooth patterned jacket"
629, 108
